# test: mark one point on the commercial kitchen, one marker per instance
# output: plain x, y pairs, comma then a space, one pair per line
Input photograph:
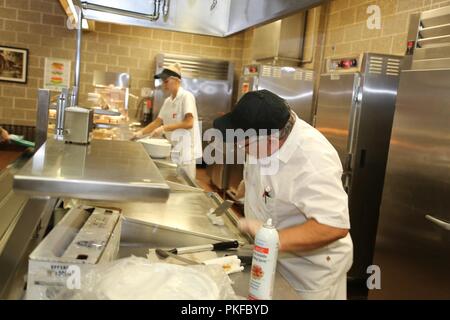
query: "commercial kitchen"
95, 205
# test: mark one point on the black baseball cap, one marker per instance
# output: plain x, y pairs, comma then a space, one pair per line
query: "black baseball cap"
256, 110
166, 73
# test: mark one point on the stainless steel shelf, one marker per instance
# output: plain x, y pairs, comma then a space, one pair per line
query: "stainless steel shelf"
103, 170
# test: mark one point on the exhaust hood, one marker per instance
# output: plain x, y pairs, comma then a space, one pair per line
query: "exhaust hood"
219, 18
280, 41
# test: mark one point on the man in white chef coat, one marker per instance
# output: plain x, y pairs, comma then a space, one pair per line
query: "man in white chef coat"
177, 120
304, 195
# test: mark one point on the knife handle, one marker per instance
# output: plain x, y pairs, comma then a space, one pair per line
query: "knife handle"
193, 249
225, 245
207, 247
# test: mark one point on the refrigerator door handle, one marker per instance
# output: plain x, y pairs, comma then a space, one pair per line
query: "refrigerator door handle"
348, 164
347, 174
439, 222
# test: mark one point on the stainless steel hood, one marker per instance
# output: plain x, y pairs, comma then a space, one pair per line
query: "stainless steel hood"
280, 42
210, 17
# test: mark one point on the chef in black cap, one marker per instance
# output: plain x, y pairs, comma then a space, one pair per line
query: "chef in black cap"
177, 120
302, 193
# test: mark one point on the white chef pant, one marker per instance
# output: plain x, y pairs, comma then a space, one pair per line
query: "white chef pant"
338, 291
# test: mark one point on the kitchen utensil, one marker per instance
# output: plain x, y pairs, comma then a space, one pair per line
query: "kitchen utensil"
215, 215
222, 208
165, 254
157, 148
207, 247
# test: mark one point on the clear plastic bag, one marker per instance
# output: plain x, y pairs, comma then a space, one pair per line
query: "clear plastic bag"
136, 278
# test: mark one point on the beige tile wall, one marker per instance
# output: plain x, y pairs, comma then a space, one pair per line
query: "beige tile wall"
347, 32
39, 25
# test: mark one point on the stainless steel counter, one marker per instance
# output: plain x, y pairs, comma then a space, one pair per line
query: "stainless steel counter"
180, 221
23, 222
103, 170
183, 211
176, 177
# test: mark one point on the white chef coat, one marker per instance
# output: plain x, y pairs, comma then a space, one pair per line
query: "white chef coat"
186, 142
307, 185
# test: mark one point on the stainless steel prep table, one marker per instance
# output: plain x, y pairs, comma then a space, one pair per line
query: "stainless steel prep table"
183, 210
106, 170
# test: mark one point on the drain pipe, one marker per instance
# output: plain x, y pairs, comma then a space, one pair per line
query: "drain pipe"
75, 90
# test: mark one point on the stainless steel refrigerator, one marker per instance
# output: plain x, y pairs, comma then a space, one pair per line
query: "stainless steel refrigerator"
295, 85
413, 240
210, 81
356, 103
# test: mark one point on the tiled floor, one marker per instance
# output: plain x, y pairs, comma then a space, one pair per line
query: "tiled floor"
8, 153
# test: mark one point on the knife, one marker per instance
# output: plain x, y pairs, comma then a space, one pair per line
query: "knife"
165, 254
207, 247
222, 208
245, 260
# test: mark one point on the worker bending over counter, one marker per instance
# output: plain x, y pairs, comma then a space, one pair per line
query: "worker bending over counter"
297, 184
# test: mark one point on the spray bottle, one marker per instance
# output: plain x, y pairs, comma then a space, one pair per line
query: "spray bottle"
264, 263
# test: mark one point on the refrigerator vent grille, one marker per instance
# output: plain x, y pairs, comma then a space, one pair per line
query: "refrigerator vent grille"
276, 72
309, 76
393, 67
376, 65
266, 71
298, 75
192, 67
384, 65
